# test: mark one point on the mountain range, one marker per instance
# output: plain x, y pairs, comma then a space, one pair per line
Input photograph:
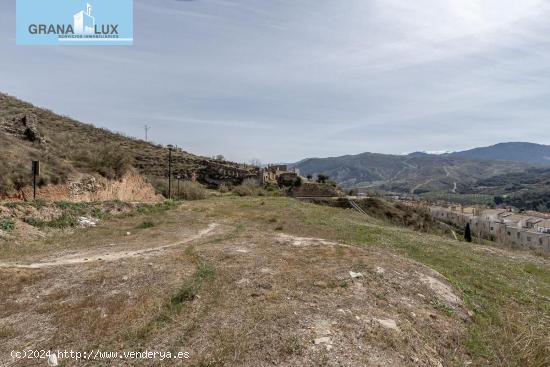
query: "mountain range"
420, 172
68, 147
514, 151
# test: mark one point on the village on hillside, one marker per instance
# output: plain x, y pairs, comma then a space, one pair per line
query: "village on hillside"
526, 230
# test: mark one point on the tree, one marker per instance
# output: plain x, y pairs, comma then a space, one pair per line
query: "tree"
255, 162
220, 157
309, 177
468, 233
322, 178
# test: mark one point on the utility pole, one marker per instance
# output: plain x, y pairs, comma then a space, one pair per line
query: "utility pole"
178, 177
170, 147
147, 128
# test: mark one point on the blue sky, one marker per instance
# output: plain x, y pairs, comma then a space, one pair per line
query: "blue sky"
281, 80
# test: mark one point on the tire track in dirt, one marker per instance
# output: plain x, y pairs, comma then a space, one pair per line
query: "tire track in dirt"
83, 257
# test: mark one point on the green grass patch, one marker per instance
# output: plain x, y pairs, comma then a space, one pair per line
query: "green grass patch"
509, 297
188, 290
7, 224
64, 221
145, 224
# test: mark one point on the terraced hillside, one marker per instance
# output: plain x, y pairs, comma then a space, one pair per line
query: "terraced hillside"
66, 146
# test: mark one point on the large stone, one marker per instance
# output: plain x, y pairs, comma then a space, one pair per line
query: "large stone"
24, 127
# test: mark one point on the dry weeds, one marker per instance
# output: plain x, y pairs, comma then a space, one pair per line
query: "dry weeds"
248, 295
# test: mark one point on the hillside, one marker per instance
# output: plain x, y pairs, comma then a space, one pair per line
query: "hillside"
265, 281
528, 190
68, 147
516, 151
414, 173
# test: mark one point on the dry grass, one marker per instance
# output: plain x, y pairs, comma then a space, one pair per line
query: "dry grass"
71, 146
249, 296
189, 190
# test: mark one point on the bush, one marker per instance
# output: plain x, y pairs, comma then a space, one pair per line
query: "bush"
189, 190
110, 162
146, 224
244, 190
223, 188
249, 187
7, 224
322, 178
63, 221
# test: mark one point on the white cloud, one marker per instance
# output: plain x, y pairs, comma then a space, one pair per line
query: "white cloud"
284, 79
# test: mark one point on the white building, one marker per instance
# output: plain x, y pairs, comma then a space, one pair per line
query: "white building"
84, 22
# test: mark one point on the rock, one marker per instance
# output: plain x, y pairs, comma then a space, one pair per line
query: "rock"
380, 270
125, 278
387, 323
243, 281
52, 360
128, 233
322, 340
320, 284
87, 222
354, 275
442, 291
23, 127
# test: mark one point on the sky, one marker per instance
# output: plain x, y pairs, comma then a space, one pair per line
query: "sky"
282, 80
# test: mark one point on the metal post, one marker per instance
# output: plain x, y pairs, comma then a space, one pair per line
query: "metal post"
179, 177
35, 172
146, 130
33, 184
169, 171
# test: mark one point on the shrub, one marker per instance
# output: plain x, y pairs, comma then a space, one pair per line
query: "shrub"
63, 221
223, 188
67, 205
242, 190
189, 190
249, 187
322, 178
35, 222
110, 162
7, 224
146, 224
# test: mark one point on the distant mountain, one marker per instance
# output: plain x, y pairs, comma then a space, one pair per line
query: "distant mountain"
518, 152
413, 173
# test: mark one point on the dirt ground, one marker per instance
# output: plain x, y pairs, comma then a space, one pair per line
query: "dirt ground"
228, 296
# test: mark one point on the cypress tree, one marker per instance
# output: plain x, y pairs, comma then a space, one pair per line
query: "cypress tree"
468, 233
